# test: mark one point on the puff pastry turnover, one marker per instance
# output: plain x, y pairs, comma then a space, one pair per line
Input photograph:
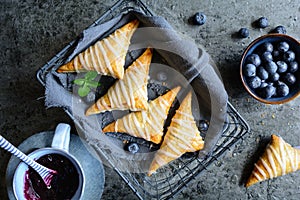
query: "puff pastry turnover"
182, 136
106, 56
129, 93
279, 158
147, 124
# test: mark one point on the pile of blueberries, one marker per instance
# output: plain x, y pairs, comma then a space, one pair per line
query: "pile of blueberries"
270, 69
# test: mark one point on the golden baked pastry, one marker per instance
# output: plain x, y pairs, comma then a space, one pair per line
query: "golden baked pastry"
129, 93
182, 136
279, 158
106, 56
147, 124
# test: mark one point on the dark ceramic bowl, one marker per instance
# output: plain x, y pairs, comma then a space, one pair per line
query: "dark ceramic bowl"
255, 48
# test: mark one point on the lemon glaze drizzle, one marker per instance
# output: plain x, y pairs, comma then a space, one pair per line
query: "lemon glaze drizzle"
90, 59
272, 154
125, 87
181, 135
131, 122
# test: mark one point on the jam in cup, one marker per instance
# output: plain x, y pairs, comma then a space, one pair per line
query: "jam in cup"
68, 183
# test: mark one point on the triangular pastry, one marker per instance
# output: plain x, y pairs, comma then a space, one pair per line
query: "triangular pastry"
182, 136
279, 158
147, 124
129, 93
106, 56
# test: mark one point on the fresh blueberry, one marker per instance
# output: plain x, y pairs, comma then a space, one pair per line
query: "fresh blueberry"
289, 56
267, 46
262, 73
254, 82
276, 54
279, 29
203, 125
267, 92
283, 46
262, 22
243, 32
199, 18
254, 59
293, 66
289, 78
267, 56
263, 84
132, 147
249, 70
270, 83
282, 90
282, 66
271, 67
274, 77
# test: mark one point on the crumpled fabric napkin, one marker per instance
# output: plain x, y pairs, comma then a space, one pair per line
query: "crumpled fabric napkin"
179, 52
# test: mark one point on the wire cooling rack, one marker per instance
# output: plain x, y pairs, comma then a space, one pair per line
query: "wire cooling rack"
173, 177
118, 8
176, 175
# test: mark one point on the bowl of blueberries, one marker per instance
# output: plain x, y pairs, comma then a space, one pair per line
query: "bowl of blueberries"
269, 68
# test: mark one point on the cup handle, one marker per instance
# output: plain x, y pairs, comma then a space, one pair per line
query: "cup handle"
61, 138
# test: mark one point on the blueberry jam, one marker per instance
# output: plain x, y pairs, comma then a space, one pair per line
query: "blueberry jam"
63, 185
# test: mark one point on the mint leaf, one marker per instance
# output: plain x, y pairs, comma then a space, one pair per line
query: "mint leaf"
93, 84
79, 81
86, 83
83, 91
91, 75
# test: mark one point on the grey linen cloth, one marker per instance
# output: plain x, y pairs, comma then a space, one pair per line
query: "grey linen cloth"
180, 54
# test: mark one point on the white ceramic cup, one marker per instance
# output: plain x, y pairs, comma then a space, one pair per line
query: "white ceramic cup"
60, 145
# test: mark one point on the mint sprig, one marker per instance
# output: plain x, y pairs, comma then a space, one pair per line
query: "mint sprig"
85, 84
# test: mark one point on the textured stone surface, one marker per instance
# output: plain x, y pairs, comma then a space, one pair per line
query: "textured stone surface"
32, 32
